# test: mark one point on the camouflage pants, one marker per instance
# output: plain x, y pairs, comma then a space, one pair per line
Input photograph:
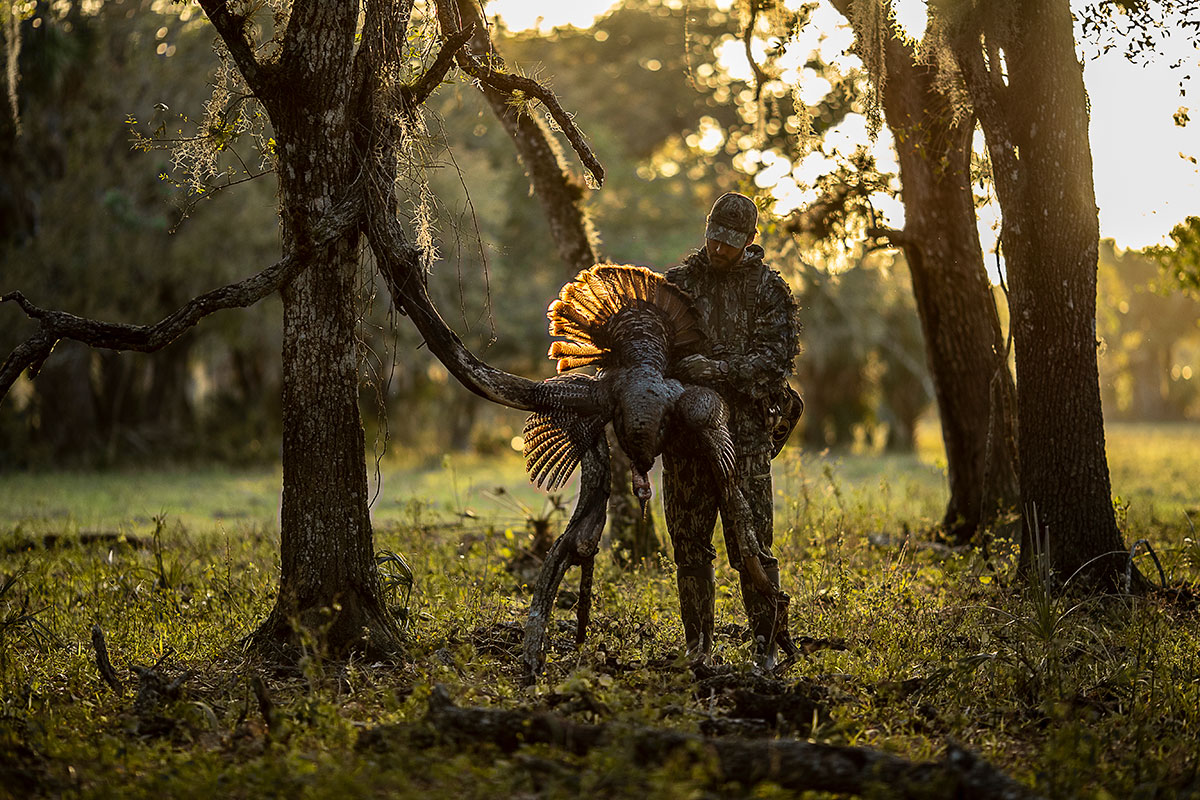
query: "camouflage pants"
691, 500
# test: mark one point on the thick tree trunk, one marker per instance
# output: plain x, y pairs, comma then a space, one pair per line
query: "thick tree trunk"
963, 340
1032, 103
329, 587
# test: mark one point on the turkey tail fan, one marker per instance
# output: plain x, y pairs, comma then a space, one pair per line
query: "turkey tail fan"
687, 329
574, 354
587, 304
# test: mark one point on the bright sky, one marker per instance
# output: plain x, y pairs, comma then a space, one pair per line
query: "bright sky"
1143, 186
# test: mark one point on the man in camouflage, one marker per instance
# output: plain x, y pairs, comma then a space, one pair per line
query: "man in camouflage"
751, 319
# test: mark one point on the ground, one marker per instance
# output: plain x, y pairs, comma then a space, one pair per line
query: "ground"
911, 644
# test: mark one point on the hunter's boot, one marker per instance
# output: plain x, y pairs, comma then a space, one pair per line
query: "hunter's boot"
697, 598
761, 614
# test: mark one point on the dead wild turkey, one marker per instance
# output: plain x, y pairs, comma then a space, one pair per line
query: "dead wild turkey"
633, 325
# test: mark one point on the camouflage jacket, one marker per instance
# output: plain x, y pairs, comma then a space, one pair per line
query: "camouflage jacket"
751, 319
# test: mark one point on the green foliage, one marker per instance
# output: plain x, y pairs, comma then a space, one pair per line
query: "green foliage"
1180, 262
862, 372
1081, 697
1150, 329
105, 241
123, 235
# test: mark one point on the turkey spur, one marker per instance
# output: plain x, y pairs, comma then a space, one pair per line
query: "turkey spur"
633, 326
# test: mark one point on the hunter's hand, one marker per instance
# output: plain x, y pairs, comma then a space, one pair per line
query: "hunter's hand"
700, 369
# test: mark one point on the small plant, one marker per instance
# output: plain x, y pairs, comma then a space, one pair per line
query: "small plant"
395, 575
18, 622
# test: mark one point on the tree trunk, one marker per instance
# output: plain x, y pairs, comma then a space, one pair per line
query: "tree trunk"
1030, 97
329, 586
963, 340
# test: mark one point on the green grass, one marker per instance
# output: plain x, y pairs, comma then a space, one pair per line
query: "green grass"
1078, 696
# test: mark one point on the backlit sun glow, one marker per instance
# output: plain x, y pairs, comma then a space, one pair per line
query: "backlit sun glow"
1145, 180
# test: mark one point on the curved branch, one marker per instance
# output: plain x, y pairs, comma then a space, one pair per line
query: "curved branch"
419, 92
509, 83
760, 75
57, 325
400, 264
232, 30
557, 188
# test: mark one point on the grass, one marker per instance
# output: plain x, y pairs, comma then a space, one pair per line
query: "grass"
1076, 696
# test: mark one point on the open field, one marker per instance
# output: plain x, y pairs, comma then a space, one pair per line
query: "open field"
913, 645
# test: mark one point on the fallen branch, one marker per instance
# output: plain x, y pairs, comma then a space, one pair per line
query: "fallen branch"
793, 765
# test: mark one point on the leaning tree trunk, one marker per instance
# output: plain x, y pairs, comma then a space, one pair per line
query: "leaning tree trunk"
329, 587
561, 194
1031, 101
963, 340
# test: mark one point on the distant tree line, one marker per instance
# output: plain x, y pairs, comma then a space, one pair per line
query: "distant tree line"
82, 205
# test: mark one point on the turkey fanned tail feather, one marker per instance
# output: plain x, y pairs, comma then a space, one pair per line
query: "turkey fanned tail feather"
588, 304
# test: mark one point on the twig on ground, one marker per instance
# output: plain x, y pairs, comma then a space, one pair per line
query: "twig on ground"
102, 663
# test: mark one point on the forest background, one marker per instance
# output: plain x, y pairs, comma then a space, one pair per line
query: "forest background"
108, 230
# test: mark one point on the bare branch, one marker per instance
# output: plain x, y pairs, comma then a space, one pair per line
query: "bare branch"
232, 30
507, 82
102, 663
760, 75
559, 190
420, 91
400, 264
56, 325
893, 236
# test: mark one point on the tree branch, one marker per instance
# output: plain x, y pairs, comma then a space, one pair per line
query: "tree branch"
400, 264
56, 325
760, 75
511, 84
419, 92
894, 236
557, 188
232, 30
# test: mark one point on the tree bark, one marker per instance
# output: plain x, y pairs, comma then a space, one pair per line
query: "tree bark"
963, 341
334, 107
559, 191
1026, 84
329, 586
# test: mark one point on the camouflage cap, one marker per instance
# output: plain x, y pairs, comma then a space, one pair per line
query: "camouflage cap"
733, 220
